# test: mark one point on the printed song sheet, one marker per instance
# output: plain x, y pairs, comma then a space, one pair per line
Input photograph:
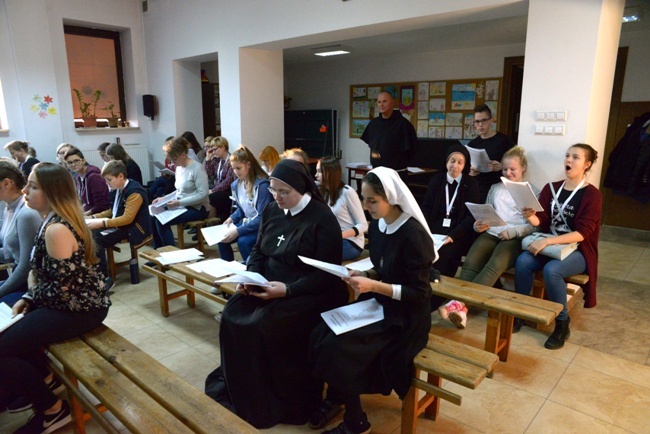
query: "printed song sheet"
337, 270
160, 211
214, 234
246, 277
353, 316
485, 213
438, 241
6, 317
217, 267
164, 170
479, 159
523, 194
177, 256
362, 265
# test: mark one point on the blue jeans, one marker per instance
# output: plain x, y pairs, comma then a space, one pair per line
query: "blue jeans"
245, 244
162, 233
554, 273
350, 250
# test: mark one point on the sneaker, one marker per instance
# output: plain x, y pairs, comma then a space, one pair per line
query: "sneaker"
46, 423
21, 404
215, 290
325, 413
344, 429
456, 312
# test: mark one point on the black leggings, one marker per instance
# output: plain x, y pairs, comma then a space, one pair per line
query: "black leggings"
23, 364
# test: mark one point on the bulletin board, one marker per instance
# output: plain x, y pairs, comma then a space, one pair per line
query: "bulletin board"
437, 109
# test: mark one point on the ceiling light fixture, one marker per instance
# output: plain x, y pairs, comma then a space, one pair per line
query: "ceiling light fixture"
332, 50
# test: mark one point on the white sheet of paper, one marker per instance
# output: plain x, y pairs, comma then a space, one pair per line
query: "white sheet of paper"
165, 216
177, 256
485, 213
438, 241
6, 317
335, 269
214, 234
246, 277
415, 169
162, 201
523, 194
217, 267
167, 171
363, 165
90, 220
479, 159
353, 316
362, 265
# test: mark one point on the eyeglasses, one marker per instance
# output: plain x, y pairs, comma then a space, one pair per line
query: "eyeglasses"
481, 121
281, 193
74, 162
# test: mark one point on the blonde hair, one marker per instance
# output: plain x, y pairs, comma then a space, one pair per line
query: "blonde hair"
58, 187
296, 151
244, 155
220, 142
517, 152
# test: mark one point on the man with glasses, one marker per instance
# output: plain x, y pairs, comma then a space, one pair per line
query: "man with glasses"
495, 144
91, 188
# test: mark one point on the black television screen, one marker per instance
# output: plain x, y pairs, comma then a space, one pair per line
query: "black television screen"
314, 131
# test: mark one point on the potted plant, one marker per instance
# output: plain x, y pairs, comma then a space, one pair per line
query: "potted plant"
112, 121
88, 109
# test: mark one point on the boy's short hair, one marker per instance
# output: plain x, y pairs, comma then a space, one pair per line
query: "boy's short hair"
114, 168
73, 151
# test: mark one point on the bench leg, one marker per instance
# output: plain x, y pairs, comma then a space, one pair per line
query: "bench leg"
110, 260
191, 299
162, 291
409, 414
181, 237
498, 334
76, 410
433, 409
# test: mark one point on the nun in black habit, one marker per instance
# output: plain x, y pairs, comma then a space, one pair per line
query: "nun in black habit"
265, 375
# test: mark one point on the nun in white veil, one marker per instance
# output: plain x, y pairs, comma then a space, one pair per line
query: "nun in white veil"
378, 358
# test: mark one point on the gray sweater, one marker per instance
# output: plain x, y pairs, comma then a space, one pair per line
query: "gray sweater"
19, 241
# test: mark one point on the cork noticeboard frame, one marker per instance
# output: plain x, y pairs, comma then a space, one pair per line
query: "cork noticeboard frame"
437, 109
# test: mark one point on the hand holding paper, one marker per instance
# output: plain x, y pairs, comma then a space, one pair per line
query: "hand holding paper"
337, 270
523, 195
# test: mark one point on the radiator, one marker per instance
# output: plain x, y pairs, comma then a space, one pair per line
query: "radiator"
138, 152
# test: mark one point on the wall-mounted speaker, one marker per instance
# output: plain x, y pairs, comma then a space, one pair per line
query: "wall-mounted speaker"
149, 106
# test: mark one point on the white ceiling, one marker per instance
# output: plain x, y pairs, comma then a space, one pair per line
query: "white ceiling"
491, 32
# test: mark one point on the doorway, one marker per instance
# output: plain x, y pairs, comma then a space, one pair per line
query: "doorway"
513, 81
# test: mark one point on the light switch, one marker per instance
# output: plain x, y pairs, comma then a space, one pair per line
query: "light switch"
548, 130
560, 116
559, 130
541, 116
550, 116
539, 129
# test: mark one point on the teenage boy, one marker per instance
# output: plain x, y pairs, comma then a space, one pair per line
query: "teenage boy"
127, 219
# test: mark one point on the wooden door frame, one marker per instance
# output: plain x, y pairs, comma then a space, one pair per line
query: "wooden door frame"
505, 124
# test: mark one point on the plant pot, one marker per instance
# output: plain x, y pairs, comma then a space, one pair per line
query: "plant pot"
90, 122
112, 122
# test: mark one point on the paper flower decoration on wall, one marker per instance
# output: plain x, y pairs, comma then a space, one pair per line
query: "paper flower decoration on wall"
43, 107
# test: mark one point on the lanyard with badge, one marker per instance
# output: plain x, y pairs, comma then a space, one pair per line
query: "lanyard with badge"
556, 201
446, 222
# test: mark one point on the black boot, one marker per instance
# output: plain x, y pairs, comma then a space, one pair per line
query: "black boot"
559, 335
517, 324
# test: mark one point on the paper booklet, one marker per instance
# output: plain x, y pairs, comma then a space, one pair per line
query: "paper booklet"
438, 241
523, 194
214, 234
217, 267
414, 170
247, 278
362, 265
164, 215
486, 214
353, 316
337, 270
185, 255
479, 159
6, 317
163, 169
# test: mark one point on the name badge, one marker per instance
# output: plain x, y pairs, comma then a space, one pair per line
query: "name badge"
446, 223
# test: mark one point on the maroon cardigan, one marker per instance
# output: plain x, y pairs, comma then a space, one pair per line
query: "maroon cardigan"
587, 222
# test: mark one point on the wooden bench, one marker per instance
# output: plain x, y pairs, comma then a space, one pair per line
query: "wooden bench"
573, 289
443, 359
113, 266
188, 285
502, 306
142, 394
198, 224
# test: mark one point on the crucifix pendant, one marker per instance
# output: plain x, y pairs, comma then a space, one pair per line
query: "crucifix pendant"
280, 239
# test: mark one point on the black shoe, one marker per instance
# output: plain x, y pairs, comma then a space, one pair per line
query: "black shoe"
516, 326
151, 264
559, 335
325, 413
21, 403
192, 230
195, 238
344, 429
46, 423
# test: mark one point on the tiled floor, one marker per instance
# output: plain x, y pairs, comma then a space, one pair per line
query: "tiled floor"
598, 383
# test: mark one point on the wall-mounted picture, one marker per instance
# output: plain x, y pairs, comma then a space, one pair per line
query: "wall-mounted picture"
463, 96
454, 119
361, 109
392, 90
423, 109
436, 132
358, 126
437, 104
492, 89
423, 91
406, 101
359, 92
373, 92
453, 133
438, 88
423, 128
436, 119
468, 127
